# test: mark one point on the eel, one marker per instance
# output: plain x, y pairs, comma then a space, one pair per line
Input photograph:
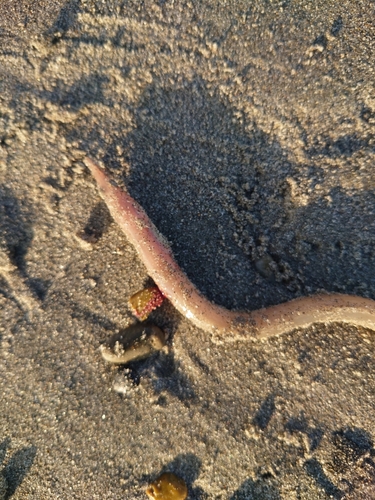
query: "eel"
224, 324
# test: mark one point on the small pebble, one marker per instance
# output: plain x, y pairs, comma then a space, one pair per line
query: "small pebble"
132, 344
264, 266
145, 301
122, 384
167, 487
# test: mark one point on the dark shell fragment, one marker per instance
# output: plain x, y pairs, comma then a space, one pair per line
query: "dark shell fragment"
133, 343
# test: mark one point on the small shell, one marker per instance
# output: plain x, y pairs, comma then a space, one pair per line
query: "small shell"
145, 301
167, 487
134, 343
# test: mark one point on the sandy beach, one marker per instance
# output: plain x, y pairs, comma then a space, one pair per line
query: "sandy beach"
246, 130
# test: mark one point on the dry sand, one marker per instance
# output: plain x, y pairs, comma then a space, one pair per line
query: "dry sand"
246, 129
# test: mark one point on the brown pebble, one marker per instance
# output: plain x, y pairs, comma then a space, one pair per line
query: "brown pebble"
132, 344
167, 487
145, 301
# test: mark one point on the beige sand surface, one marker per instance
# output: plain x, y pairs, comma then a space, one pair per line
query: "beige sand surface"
247, 131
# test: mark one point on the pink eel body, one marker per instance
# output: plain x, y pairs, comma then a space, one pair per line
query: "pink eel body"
156, 255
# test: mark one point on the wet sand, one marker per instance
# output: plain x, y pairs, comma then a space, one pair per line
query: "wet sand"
248, 136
